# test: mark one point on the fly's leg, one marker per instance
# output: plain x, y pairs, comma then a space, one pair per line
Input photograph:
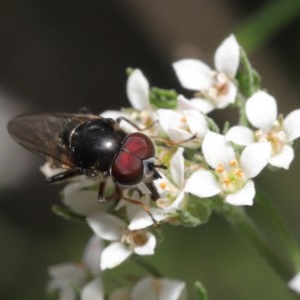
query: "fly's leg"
120, 119
64, 175
136, 202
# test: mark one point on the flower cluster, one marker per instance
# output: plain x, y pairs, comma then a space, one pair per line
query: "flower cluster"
84, 280
208, 166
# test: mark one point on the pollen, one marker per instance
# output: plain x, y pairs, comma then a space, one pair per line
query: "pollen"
183, 119
220, 168
226, 182
163, 185
233, 163
239, 173
139, 238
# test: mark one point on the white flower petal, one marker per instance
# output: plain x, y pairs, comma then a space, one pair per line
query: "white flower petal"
284, 158
172, 289
142, 220
294, 283
113, 114
145, 289
202, 184
177, 204
240, 135
224, 100
137, 89
106, 226
113, 255
196, 122
49, 171
159, 289
217, 150
242, 197
71, 188
168, 118
193, 74
202, 105
261, 110
199, 104
68, 273
148, 247
254, 158
292, 125
91, 255
183, 103
83, 202
93, 290
227, 56
177, 167
179, 135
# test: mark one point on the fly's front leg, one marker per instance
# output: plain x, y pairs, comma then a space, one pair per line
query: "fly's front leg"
63, 176
120, 119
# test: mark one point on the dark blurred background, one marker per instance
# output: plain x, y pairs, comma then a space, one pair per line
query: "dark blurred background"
62, 55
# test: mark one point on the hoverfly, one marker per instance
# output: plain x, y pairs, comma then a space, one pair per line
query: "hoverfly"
91, 145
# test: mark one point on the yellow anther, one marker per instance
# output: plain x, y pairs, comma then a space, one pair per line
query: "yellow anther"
163, 185
226, 181
220, 168
183, 119
239, 173
233, 163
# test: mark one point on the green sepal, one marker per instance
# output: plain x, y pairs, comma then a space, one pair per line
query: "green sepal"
212, 125
162, 98
201, 293
129, 71
247, 77
68, 214
197, 212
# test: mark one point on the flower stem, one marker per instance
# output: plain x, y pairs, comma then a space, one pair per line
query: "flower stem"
147, 266
266, 22
279, 229
242, 223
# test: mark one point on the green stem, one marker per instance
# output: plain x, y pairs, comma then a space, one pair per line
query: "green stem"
241, 222
147, 266
280, 230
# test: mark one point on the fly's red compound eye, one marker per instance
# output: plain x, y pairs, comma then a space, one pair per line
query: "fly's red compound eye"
140, 145
128, 168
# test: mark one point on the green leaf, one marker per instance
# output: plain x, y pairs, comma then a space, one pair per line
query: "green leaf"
162, 98
67, 214
201, 291
266, 22
197, 212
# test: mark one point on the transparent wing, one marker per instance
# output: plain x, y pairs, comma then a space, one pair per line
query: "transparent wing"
46, 134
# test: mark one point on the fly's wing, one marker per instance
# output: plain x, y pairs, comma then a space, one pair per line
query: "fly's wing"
46, 135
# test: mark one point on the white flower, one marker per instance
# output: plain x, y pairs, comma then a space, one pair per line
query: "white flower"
232, 175
124, 241
49, 171
294, 283
138, 90
171, 192
93, 290
183, 125
68, 278
217, 87
161, 289
261, 111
